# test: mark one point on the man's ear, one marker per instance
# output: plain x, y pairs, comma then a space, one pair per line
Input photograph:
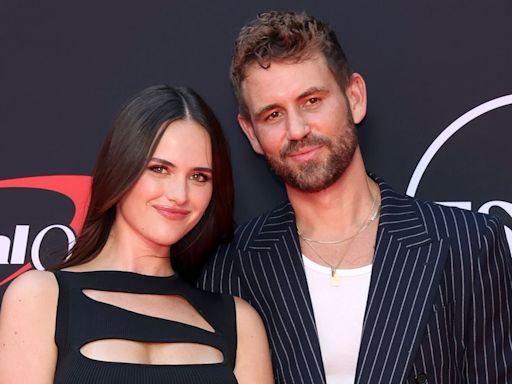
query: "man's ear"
356, 95
248, 129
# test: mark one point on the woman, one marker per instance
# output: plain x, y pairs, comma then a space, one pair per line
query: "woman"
118, 310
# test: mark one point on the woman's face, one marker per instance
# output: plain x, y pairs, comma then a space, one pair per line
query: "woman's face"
174, 190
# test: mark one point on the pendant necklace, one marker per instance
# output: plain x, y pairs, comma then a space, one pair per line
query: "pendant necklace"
335, 279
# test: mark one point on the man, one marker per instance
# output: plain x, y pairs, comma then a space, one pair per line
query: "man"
355, 282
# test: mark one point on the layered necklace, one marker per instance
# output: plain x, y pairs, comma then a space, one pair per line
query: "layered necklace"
335, 280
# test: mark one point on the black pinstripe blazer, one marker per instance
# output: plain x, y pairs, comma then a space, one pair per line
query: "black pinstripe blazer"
439, 305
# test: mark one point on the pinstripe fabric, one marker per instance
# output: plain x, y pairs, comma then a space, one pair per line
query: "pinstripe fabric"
439, 304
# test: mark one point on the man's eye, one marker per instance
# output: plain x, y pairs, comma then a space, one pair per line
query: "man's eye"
273, 115
312, 100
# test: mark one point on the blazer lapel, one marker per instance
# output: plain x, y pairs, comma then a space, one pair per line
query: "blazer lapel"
272, 269
407, 266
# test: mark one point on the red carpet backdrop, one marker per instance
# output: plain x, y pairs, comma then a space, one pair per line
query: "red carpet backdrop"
439, 80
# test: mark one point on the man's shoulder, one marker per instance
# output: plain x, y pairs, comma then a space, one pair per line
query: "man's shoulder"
279, 218
220, 273
280, 214
401, 211
445, 219
442, 211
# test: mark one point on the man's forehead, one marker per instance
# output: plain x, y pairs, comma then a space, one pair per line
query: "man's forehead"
266, 64
296, 77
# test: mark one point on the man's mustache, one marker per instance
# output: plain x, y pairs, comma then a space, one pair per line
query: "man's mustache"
296, 145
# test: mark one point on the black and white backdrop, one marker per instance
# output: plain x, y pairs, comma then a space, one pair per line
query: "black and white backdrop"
439, 77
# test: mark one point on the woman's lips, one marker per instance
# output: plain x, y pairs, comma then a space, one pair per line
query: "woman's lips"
171, 212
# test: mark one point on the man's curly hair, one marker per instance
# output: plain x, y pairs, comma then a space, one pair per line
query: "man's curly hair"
289, 37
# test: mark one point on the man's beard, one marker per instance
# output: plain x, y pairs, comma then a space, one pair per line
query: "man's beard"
317, 174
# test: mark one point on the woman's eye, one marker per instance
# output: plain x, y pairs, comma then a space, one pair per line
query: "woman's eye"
157, 169
200, 177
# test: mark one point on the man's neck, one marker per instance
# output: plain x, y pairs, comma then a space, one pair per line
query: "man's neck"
339, 210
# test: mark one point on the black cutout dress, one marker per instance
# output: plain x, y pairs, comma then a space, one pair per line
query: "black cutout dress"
81, 320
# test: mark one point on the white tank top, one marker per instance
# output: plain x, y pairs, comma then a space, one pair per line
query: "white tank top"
339, 313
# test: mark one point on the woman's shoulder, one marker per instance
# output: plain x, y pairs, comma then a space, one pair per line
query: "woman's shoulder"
32, 282
29, 306
246, 316
27, 324
253, 363
32, 289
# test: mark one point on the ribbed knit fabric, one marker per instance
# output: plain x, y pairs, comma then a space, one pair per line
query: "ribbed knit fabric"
81, 320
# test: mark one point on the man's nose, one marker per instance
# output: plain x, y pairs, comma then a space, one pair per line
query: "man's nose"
297, 127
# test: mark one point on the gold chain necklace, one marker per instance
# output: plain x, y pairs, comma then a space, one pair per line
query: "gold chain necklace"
372, 216
335, 280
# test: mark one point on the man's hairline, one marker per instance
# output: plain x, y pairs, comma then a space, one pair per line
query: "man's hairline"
254, 63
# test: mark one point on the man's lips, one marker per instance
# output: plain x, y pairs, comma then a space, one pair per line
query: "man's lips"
305, 153
171, 212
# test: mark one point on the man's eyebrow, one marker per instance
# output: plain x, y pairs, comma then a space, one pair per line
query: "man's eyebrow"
304, 94
311, 90
265, 109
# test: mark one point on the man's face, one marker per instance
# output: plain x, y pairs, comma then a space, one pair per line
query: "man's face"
302, 121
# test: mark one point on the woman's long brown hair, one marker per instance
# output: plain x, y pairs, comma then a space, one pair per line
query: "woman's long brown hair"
129, 145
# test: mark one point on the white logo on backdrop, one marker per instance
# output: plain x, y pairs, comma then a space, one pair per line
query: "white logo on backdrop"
442, 139
18, 245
